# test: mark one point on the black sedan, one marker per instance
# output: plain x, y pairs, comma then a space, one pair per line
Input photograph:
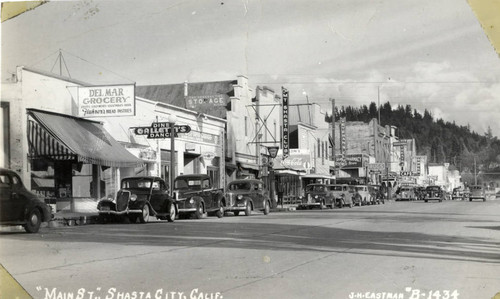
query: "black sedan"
247, 196
18, 206
139, 198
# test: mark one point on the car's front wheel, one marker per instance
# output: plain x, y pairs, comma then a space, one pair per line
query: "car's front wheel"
220, 212
267, 208
198, 214
34, 221
248, 209
144, 216
236, 213
171, 213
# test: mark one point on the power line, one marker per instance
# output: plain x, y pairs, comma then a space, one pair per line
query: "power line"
94, 64
381, 82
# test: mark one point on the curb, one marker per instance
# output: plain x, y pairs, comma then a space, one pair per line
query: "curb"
287, 209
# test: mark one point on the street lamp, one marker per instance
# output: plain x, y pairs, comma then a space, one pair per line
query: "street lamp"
172, 119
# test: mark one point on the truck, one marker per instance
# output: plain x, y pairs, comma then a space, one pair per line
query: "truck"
196, 195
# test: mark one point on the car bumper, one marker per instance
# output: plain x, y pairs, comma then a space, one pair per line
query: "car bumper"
187, 210
125, 212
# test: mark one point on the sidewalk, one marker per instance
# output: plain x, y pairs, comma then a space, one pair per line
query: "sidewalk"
85, 212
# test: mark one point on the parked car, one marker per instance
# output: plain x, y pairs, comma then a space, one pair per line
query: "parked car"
317, 195
406, 193
361, 195
342, 194
247, 196
196, 196
457, 194
466, 193
419, 192
434, 193
19, 206
477, 192
376, 196
139, 198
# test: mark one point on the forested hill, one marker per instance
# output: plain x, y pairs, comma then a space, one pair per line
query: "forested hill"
440, 141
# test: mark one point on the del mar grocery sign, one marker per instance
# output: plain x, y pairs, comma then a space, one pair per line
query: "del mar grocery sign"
115, 100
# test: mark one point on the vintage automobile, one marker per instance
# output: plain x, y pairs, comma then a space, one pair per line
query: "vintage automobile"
406, 193
343, 194
466, 193
419, 192
361, 196
19, 206
317, 195
434, 193
376, 196
246, 196
196, 196
139, 198
477, 192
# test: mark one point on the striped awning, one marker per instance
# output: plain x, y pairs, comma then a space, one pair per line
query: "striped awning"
62, 137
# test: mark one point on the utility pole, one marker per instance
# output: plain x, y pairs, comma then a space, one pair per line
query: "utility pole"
333, 139
378, 109
475, 175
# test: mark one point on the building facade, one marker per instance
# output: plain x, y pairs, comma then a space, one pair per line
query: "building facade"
72, 141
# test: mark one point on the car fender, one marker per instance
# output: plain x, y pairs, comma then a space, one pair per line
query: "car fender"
247, 200
40, 206
140, 204
199, 199
106, 202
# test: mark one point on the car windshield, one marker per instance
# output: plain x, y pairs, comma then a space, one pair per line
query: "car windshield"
137, 183
317, 188
239, 186
476, 187
360, 188
433, 188
406, 189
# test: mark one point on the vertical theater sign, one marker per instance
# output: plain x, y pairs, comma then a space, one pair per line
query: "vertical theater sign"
285, 143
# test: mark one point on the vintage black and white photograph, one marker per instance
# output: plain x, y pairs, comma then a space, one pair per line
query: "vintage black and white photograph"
217, 149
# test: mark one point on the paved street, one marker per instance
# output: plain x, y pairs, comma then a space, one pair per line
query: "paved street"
397, 249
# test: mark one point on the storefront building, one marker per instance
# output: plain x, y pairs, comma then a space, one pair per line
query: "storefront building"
232, 101
72, 141
201, 150
59, 155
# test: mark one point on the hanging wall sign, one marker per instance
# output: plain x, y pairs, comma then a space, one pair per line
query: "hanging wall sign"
113, 100
286, 136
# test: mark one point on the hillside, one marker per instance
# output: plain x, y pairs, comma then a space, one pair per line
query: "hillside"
440, 141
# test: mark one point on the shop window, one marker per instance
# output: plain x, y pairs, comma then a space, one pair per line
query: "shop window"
214, 174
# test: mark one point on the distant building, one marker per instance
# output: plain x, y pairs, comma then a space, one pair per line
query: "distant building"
358, 144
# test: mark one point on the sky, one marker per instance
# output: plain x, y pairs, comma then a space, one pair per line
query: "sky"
430, 54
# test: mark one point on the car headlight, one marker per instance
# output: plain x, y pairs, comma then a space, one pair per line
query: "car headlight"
191, 201
133, 197
239, 196
315, 196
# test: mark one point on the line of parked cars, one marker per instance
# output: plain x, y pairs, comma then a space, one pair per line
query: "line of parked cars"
194, 195
140, 198
340, 195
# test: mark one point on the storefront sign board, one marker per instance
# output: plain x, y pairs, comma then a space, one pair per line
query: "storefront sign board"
113, 100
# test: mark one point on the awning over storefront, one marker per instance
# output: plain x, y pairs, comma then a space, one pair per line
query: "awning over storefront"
63, 137
286, 172
248, 166
318, 176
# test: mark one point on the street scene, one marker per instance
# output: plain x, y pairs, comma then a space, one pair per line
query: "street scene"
400, 249
249, 149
